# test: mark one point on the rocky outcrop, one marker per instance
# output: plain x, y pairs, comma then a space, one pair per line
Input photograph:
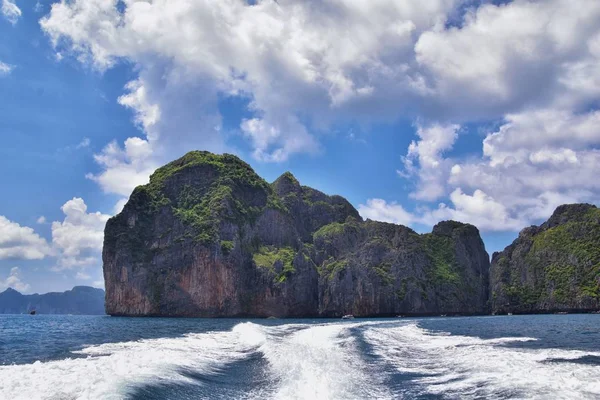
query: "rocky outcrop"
208, 237
551, 267
375, 268
80, 300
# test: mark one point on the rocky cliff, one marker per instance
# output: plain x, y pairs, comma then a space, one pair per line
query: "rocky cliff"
208, 237
551, 267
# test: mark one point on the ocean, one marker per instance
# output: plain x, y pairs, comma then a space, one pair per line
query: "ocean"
495, 357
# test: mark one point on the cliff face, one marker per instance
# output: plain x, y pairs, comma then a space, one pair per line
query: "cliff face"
80, 300
208, 237
553, 267
368, 268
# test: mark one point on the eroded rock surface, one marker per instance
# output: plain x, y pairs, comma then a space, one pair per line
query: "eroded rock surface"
208, 237
551, 267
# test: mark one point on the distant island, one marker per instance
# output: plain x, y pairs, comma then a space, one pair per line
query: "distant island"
80, 300
208, 237
554, 267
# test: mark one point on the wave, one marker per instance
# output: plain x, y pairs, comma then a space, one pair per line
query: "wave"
112, 370
454, 366
319, 362
302, 362
342, 360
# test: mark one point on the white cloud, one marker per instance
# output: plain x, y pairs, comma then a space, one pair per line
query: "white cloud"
125, 168
38, 8
85, 142
82, 276
542, 129
184, 127
297, 60
14, 281
556, 156
380, 210
534, 65
507, 57
79, 237
532, 158
147, 114
120, 205
98, 284
425, 159
294, 61
21, 242
10, 11
533, 162
5, 69
76, 241
288, 138
478, 209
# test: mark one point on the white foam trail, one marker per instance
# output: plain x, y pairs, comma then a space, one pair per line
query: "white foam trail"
111, 370
319, 362
470, 367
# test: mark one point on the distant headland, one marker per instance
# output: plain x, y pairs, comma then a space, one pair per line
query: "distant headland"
80, 300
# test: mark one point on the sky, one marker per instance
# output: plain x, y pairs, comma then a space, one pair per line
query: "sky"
484, 112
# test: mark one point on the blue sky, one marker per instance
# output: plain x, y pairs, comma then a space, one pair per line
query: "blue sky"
484, 112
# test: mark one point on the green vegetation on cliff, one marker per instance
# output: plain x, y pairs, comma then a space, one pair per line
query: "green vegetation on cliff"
330, 230
555, 266
226, 247
290, 178
331, 267
203, 189
384, 270
442, 253
382, 238
269, 256
334, 230
228, 166
569, 254
208, 237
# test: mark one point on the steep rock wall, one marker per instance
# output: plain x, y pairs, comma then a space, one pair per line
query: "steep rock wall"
208, 237
551, 267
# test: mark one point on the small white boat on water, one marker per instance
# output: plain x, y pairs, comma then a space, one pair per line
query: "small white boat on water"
348, 316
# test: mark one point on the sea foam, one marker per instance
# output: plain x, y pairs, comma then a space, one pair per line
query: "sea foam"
469, 367
319, 362
303, 362
112, 370
341, 360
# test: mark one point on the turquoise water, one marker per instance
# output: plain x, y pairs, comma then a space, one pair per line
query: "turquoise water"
93, 357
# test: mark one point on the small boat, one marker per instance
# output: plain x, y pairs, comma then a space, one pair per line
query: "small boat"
348, 316
509, 313
32, 312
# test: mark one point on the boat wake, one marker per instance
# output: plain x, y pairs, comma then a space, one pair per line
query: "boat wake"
114, 370
303, 362
343, 360
319, 362
454, 366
